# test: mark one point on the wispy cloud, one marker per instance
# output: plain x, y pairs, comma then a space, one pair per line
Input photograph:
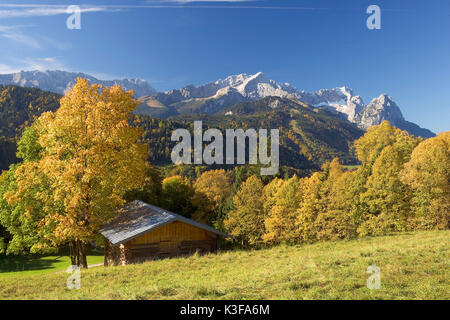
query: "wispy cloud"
41, 64
33, 10
222, 4
31, 64
5, 69
28, 10
14, 33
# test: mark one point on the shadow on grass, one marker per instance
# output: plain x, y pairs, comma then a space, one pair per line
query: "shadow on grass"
35, 262
27, 263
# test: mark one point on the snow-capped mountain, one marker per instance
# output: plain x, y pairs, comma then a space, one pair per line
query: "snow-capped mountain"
244, 87
216, 96
340, 99
249, 87
61, 81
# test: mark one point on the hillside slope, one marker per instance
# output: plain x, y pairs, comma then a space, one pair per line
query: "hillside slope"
18, 108
413, 266
308, 136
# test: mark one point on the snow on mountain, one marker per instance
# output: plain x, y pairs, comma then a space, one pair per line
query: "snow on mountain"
257, 86
61, 81
340, 99
216, 96
378, 110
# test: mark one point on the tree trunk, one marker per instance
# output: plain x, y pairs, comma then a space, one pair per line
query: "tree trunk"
82, 261
78, 253
73, 253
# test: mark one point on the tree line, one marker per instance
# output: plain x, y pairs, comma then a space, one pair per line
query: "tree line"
402, 184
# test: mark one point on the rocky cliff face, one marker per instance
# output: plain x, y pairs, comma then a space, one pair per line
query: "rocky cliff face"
378, 110
383, 108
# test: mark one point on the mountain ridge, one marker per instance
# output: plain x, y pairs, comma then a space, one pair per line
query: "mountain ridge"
214, 97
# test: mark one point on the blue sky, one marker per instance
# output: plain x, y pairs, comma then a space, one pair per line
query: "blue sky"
311, 44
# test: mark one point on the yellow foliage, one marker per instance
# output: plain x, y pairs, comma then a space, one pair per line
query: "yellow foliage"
428, 174
91, 156
280, 222
211, 189
246, 221
215, 184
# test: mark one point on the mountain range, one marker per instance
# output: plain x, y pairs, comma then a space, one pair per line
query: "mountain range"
309, 136
61, 81
214, 97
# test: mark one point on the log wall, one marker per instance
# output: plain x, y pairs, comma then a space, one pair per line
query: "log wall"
173, 239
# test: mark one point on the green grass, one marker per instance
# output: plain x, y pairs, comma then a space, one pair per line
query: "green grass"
413, 266
12, 265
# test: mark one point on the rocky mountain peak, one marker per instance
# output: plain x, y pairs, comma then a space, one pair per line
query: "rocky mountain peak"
378, 110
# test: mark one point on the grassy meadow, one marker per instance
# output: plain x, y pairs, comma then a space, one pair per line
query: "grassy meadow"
413, 266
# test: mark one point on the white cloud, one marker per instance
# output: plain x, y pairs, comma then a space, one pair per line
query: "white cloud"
7, 69
28, 10
31, 10
13, 33
30, 64
42, 64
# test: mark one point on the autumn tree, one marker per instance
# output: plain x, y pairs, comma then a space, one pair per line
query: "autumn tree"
384, 199
239, 174
151, 191
270, 194
211, 189
281, 218
177, 195
91, 156
309, 208
246, 221
428, 174
216, 184
333, 200
23, 220
376, 138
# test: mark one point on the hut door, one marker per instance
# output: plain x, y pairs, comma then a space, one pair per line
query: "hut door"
165, 247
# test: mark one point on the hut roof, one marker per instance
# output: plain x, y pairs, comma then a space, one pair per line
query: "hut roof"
137, 218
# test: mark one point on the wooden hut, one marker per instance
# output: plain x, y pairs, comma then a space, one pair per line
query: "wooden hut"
145, 232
